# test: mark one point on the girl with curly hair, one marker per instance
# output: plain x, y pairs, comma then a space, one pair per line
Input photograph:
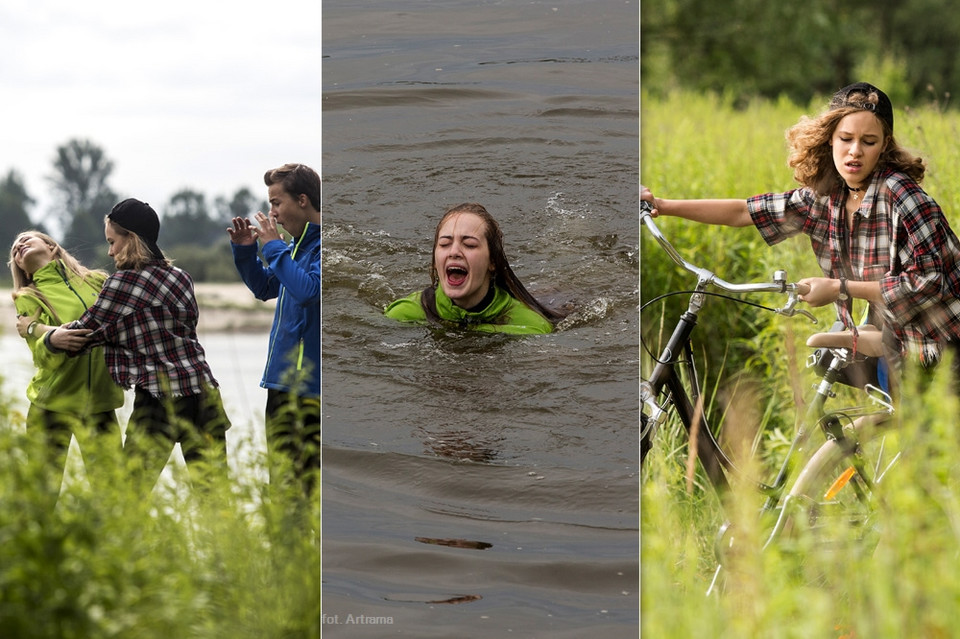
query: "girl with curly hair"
877, 235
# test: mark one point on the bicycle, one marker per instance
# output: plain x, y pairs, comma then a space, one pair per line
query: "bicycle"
836, 480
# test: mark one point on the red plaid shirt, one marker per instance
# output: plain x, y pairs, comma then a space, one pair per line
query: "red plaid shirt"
900, 238
147, 323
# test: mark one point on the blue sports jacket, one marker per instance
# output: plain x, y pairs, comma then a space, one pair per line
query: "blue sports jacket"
290, 273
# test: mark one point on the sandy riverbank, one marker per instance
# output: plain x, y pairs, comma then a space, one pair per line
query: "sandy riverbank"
223, 308
232, 307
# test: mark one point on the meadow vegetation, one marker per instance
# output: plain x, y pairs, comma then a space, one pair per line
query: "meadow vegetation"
206, 556
902, 584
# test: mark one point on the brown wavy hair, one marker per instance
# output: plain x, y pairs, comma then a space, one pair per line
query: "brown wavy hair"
811, 156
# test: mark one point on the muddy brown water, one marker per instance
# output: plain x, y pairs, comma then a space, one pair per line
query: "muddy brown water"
480, 485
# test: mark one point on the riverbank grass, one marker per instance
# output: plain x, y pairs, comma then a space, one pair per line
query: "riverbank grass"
213, 558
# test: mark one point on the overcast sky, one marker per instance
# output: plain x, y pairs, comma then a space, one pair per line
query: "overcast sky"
197, 94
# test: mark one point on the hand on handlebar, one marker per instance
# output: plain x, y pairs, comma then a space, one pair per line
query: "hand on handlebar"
820, 291
707, 278
651, 202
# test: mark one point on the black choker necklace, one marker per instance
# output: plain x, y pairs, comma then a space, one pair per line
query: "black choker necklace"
856, 192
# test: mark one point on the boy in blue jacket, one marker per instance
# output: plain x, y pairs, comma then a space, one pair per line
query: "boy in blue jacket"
289, 273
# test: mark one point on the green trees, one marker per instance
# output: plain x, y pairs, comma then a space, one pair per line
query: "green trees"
798, 50
193, 232
14, 203
196, 237
83, 197
186, 220
243, 204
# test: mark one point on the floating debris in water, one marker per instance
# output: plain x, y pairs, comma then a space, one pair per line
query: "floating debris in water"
454, 543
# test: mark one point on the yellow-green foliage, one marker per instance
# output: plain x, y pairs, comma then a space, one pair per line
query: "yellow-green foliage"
695, 146
903, 585
216, 557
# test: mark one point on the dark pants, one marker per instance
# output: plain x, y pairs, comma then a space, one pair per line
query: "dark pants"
98, 436
293, 429
197, 422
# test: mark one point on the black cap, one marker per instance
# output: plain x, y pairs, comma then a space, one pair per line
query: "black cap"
139, 218
862, 95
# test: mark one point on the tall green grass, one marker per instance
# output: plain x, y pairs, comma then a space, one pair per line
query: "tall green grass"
907, 584
206, 556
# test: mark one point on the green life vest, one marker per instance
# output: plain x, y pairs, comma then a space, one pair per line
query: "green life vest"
504, 314
79, 385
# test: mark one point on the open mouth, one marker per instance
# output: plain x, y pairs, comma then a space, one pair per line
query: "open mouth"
456, 275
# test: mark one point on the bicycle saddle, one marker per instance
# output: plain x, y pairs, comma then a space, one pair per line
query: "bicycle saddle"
869, 341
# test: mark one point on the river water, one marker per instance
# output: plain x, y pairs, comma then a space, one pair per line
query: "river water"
236, 359
481, 485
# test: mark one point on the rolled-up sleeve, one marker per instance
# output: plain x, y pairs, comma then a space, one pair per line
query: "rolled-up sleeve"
779, 216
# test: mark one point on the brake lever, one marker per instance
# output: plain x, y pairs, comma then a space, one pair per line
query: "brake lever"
790, 308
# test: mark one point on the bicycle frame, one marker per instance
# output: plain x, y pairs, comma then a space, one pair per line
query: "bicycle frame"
665, 383
664, 391
666, 378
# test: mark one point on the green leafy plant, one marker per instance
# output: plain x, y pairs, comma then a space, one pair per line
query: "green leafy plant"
206, 556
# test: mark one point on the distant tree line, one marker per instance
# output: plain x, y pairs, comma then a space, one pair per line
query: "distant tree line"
798, 50
192, 233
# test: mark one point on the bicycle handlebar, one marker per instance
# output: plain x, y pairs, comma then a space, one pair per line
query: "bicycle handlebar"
707, 277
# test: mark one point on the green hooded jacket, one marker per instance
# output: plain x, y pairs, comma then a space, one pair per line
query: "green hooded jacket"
505, 314
79, 385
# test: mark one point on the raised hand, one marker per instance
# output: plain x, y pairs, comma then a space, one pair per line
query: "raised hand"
243, 232
268, 227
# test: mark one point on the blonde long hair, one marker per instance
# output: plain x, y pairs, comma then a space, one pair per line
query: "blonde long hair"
135, 254
23, 284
